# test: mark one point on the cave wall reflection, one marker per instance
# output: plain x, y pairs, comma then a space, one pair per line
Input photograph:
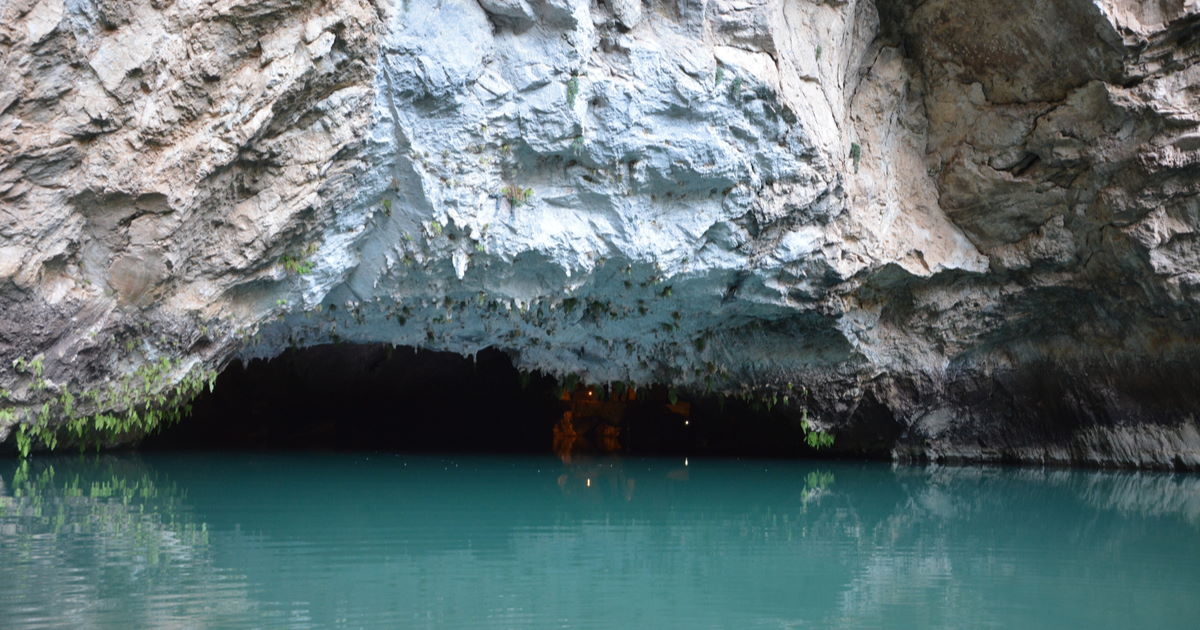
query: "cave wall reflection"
302, 540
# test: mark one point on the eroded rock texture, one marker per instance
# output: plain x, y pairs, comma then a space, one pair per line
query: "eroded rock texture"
969, 228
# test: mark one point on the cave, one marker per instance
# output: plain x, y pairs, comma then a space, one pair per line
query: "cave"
483, 314
378, 397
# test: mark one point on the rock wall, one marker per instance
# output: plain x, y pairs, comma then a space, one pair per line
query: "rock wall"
970, 226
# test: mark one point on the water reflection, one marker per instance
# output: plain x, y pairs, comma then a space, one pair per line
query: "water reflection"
77, 534
356, 541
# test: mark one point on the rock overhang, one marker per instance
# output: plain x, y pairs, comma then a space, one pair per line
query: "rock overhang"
716, 194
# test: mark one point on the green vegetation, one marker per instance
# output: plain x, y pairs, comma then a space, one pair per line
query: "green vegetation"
296, 266
572, 89
855, 154
147, 396
766, 399
719, 76
33, 366
299, 264
24, 441
735, 88
516, 195
818, 439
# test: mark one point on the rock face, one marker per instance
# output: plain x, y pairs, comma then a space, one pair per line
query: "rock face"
948, 229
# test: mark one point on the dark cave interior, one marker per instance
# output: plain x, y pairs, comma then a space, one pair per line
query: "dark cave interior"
383, 398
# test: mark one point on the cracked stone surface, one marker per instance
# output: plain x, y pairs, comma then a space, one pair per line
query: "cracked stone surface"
968, 230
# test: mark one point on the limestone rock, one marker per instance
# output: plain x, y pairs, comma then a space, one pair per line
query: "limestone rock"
966, 228
516, 10
627, 12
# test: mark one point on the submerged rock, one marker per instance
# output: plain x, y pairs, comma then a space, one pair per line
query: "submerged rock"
965, 225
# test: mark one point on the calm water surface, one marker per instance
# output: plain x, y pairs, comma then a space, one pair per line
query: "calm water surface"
299, 541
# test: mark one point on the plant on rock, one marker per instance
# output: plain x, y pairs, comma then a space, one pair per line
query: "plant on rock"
149, 396
299, 264
572, 89
516, 195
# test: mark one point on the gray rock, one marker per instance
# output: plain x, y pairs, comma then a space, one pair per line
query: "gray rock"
516, 10
967, 229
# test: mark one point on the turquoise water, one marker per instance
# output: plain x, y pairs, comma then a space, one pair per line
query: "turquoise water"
307, 541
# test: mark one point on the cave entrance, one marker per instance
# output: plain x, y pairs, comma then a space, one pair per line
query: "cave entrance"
383, 398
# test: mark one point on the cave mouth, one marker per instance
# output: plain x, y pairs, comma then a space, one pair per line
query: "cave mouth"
376, 397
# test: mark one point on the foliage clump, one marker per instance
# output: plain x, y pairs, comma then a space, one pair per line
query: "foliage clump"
148, 397
516, 195
299, 264
572, 89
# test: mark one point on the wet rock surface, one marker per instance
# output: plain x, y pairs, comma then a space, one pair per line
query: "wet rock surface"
963, 231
